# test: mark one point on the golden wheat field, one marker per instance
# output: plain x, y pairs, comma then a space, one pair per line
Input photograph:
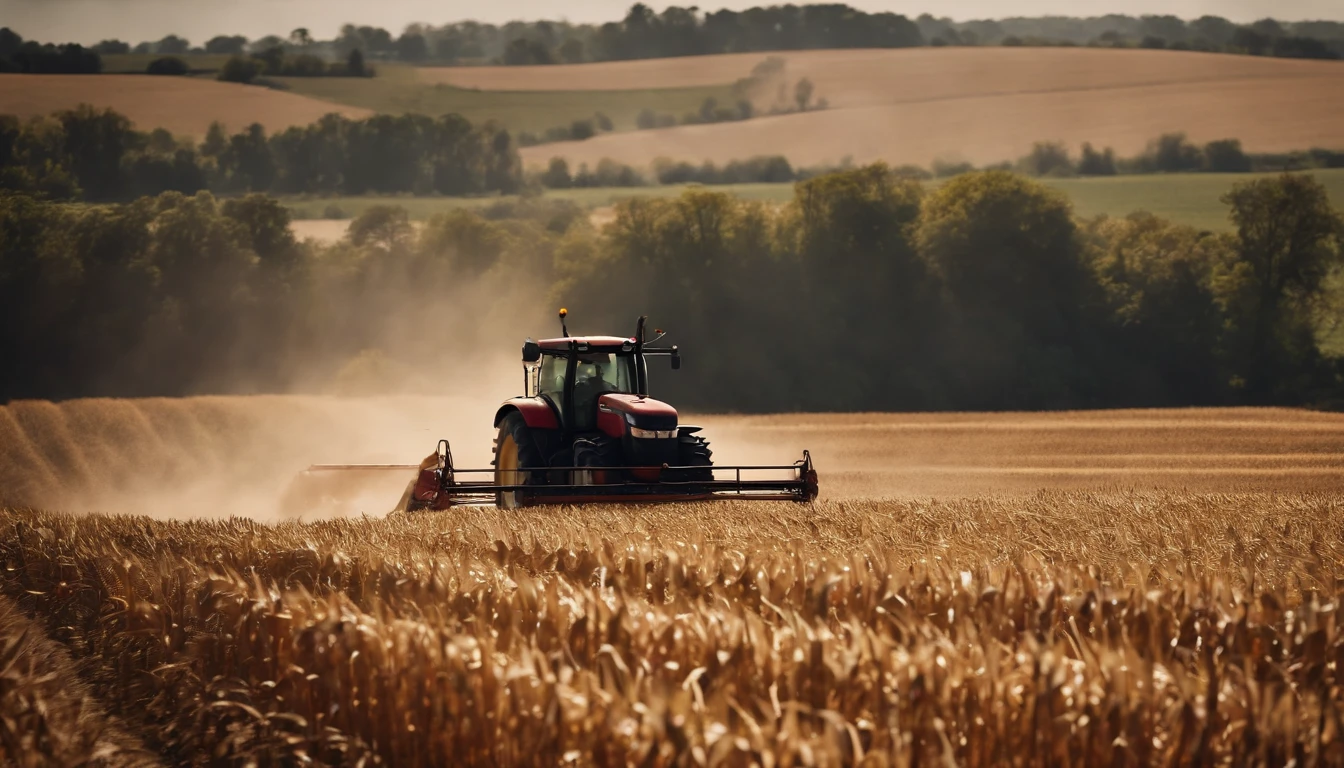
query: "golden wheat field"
1119, 588
185, 106
982, 105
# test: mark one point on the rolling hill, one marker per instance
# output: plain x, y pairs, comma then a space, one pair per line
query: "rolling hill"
184, 105
982, 105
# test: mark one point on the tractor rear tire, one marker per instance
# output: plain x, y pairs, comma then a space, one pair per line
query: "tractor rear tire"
693, 451
516, 453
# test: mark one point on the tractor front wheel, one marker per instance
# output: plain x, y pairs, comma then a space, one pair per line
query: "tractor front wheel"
693, 451
515, 454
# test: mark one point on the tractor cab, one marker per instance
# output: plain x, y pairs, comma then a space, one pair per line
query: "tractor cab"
574, 375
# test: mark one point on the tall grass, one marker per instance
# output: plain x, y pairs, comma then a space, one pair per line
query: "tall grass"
1069, 629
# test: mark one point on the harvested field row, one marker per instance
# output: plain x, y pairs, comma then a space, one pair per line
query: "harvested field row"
218, 456
1268, 114
858, 77
48, 716
185, 106
1063, 628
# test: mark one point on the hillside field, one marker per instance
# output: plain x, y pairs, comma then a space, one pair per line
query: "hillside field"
185, 106
982, 105
398, 89
1118, 587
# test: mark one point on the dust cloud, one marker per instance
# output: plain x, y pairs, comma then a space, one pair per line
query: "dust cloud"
223, 456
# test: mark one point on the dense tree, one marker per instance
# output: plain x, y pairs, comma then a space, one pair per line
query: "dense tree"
172, 45
1288, 241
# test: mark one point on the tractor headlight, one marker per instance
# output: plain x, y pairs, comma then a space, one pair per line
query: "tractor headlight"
652, 434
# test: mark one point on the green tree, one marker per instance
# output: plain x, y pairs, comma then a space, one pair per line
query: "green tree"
1047, 158
1288, 241
1094, 163
557, 175
1158, 281
1009, 257
228, 45
1226, 156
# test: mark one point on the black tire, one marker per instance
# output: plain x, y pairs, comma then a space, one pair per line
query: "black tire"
693, 451
513, 429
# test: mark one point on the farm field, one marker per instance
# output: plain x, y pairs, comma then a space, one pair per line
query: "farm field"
985, 105
1118, 586
399, 89
185, 106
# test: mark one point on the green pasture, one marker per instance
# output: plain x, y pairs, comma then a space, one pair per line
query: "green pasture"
398, 89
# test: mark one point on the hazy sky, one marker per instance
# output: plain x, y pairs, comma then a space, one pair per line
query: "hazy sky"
89, 21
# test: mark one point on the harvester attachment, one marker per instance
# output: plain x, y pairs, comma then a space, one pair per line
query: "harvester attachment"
441, 485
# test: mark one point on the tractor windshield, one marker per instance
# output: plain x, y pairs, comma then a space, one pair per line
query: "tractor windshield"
595, 374
608, 372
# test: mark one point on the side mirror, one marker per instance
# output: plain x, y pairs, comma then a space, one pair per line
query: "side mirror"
676, 359
531, 351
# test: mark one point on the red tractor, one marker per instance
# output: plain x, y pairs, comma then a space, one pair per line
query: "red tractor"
586, 431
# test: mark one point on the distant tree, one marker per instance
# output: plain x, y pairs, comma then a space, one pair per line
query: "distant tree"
1216, 30
412, 47
239, 69
1173, 153
111, 48
1094, 163
1288, 242
10, 42
172, 45
167, 65
603, 123
557, 175
802, 94
230, 45
572, 51
582, 130
385, 227
1247, 40
1226, 156
301, 37
523, 52
1047, 158
354, 64
1153, 42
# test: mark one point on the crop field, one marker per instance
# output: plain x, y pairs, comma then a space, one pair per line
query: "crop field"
399, 89
981, 105
185, 106
1126, 587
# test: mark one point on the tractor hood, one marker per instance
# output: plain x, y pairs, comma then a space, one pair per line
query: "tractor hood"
615, 411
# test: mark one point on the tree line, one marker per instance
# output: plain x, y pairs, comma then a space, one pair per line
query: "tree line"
1168, 153
686, 31
97, 155
866, 291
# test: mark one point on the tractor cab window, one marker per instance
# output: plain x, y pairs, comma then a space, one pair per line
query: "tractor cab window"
595, 374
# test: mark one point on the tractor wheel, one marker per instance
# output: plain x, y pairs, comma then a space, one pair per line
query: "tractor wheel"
515, 453
693, 451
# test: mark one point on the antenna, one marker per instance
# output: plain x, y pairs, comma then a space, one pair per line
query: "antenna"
563, 314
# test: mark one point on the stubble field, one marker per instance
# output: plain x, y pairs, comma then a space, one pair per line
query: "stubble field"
1133, 587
